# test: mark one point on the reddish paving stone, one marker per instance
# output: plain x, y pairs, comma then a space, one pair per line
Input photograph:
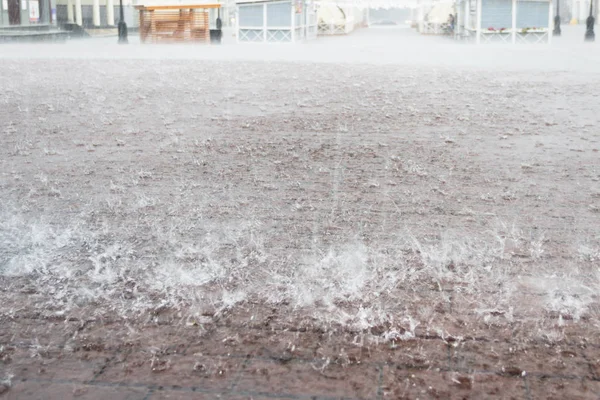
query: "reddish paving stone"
284, 344
185, 395
168, 339
430, 384
257, 342
112, 336
421, 353
78, 366
254, 397
350, 354
28, 390
562, 389
36, 332
513, 359
212, 373
303, 379
350, 348
175, 395
108, 336
595, 368
485, 386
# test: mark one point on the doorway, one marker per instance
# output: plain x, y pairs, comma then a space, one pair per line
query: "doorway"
45, 12
14, 12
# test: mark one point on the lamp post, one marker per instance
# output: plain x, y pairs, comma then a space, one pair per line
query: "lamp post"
122, 25
556, 31
590, 36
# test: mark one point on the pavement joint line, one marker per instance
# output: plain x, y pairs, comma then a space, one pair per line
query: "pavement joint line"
268, 394
542, 375
419, 336
590, 367
202, 390
537, 374
185, 350
507, 216
526, 387
274, 329
380, 382
292, 329
289, 396
106, 364
549, 228
239, 374
154, 388
149, 394
451, 290
449, 357
400, 366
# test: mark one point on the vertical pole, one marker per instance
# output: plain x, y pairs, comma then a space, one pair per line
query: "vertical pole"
514, 22
467, 15
460, 20
110, 12
457, 20
70, 17
96, 12
122, 27
421, 16
557, 30
265, 22
78, 16
293, 25
305, 19
479, 12
590, 36
550, 22
219, 25
237, 24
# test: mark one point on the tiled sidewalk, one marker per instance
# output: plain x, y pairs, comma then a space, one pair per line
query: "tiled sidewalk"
424, 368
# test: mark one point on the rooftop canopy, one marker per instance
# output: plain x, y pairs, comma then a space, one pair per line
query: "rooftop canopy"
385, 4
177, 6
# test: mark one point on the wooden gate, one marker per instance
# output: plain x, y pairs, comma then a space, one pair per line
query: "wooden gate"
175, 23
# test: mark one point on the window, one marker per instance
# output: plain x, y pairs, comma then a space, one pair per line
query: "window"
251, 15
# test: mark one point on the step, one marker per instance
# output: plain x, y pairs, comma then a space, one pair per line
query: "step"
33, 36
102, 31
27, 28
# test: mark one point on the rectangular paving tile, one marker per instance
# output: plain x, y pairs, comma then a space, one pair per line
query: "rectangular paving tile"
258, 342
561, 389
426, 384
211, 373
513, 359
418, 353
308, 379
30, 390
76, 366
178, 395
37, 332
